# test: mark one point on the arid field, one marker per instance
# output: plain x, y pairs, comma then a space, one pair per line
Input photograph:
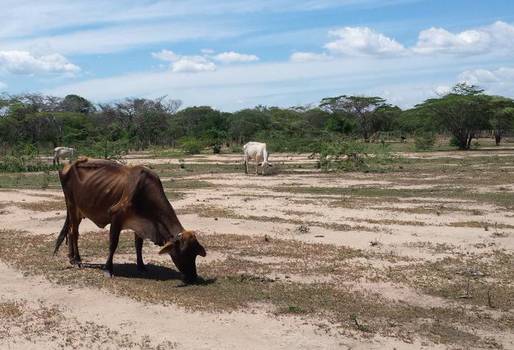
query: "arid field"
417, 255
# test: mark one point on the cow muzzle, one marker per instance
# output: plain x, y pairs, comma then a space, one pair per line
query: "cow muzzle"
187, 267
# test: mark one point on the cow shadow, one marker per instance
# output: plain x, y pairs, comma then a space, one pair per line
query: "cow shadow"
153, 272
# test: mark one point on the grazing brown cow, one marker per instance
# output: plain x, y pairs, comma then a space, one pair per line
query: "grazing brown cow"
127, 198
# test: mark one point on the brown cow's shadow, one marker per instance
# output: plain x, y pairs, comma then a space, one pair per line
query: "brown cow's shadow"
153, 272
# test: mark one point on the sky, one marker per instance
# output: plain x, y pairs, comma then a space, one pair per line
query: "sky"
234, 54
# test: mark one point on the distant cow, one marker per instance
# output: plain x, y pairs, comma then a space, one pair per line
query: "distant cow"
256, 151
63, 152
127, 198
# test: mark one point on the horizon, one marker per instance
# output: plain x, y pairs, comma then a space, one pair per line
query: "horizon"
237, 54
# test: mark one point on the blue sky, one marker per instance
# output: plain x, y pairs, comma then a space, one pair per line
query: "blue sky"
233, 54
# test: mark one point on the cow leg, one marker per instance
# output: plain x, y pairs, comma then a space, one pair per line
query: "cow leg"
114, 237
76, 255
73, 234
138, 241
256, 168
246, 165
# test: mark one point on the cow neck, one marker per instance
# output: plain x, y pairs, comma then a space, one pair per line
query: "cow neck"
173, 225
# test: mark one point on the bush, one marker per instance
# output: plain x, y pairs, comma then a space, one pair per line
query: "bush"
106, 149
216, 149
342, 155
191, 146
23, 158
424, 141
236, 148
291, 144
350, 155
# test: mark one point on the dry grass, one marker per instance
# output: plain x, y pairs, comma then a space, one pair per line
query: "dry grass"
437, 248
236, 281
484, 280
481, 224
43, 206
31, 326
219, 212
10, 309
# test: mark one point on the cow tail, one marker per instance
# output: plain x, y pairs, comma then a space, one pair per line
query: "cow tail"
63, 234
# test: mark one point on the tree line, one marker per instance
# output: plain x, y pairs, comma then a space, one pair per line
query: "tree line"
45, 122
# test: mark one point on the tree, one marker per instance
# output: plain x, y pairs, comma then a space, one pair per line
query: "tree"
502, 119
245, 123
77, 104
463, 112
365, 110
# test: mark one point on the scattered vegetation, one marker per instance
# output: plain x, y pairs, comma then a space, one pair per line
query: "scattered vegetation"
341, 129
237, 280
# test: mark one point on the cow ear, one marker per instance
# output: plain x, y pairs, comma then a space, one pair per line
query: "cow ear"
167, 248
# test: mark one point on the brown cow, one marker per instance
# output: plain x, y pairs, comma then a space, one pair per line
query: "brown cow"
127, 198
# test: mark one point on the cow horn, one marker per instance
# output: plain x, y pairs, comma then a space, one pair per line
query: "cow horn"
167, 248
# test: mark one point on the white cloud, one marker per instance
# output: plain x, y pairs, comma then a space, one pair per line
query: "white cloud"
121, 37
23, 62
308, 57
192, 64
185, 64
166, 55
232, 57
480, 77
498, 81
278, 83
3, 86
362, 41
442, 90
29, 17
498, 36
99, 26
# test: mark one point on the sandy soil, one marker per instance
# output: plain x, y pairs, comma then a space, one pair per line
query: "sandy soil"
251, 205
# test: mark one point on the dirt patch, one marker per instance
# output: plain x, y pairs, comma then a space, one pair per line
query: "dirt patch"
421, 252
236, 283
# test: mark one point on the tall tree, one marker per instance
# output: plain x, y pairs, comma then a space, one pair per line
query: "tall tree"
463, 112
77, 104
361, 108
502, 119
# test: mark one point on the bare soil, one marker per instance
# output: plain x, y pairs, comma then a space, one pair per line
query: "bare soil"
418, 256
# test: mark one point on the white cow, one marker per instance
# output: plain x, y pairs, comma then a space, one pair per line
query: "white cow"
63, 152
256, 151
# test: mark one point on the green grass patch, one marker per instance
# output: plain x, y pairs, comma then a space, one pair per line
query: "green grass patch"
30, 181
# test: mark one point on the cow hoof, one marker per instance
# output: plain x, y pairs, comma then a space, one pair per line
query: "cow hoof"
108, 274
76, 263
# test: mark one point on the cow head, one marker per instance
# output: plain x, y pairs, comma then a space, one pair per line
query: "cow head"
183, 252
265, 164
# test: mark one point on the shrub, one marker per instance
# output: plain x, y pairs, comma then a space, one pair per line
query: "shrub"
191, 146
454, 142
24, 158
216, 149
349, 155
236, 148
106, 149
424, 140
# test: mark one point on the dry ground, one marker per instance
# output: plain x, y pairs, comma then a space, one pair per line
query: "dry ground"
419, 255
